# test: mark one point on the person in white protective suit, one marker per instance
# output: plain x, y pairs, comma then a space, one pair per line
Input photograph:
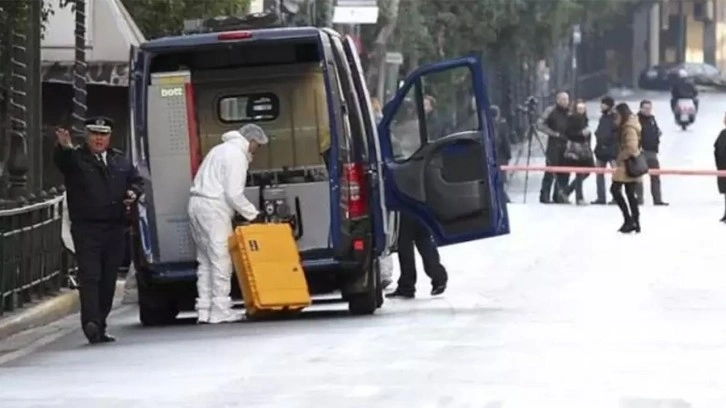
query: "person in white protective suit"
216, 194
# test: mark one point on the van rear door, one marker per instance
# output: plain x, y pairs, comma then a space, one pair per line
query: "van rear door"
376, 197
438, 152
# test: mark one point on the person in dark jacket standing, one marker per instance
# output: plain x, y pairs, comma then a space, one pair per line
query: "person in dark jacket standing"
650, 135
719, 152
502, 142
101, 185
606, 145
553, 123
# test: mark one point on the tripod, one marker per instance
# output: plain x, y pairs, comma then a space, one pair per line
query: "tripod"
532, 134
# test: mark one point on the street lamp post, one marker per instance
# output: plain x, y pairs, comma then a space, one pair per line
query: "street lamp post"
576, 40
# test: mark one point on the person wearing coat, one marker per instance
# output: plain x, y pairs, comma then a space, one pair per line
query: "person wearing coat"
719, 152
629, 146
578, 152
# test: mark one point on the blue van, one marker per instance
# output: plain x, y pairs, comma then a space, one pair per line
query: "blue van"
344, 176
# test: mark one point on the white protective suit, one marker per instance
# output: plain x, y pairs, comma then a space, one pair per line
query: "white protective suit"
216, 194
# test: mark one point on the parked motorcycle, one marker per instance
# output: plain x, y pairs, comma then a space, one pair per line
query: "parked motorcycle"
685, 113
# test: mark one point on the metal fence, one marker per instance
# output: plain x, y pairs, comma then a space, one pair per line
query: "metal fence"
33, 261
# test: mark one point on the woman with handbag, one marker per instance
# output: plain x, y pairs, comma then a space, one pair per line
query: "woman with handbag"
630, 166
578, 152
719, 152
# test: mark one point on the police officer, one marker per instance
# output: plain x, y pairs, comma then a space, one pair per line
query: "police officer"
101, 185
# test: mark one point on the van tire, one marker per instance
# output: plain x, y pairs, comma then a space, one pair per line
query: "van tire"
361, 304
156, 308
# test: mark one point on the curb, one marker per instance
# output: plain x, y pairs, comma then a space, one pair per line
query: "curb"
46, 312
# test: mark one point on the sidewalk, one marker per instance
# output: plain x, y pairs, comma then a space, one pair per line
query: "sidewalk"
46, 312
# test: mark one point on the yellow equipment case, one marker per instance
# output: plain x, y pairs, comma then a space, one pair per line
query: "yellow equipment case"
268, 267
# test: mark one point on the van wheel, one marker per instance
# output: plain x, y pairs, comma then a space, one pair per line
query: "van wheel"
360, 304
156, 308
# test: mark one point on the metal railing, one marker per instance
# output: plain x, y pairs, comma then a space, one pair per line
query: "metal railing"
33, 261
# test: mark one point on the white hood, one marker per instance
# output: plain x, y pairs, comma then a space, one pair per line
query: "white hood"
235, 137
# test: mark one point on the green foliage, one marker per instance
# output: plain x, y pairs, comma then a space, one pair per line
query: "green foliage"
434, 29
15, 13
158, 18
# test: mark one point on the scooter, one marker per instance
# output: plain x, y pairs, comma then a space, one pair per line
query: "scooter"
685, 113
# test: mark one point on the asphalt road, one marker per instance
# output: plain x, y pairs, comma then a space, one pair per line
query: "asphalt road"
564, 312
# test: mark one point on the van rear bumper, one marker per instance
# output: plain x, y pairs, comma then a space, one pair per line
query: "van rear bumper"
187, 272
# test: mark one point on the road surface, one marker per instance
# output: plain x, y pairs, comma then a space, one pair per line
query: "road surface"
564, 312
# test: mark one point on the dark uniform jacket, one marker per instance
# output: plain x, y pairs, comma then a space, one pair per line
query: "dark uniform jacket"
95, 192
719, 152
606, 148
650, 133
553, 122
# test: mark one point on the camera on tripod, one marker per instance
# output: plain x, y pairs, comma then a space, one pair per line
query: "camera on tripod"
529, 107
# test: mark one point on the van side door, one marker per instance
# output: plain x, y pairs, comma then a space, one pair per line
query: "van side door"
438, 153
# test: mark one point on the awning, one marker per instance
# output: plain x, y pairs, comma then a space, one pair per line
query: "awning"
99, 73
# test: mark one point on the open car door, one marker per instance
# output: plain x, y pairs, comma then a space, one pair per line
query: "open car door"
438, 153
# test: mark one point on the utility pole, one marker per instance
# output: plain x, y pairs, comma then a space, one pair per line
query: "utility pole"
682, 21
35, 91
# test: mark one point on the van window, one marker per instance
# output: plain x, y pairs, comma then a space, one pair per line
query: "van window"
449, 103
439, 104
258, 107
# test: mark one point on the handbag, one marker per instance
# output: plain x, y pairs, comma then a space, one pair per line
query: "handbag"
578, 151
636, 166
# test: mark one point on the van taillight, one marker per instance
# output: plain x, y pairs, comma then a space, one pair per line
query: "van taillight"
354, 190
234, 35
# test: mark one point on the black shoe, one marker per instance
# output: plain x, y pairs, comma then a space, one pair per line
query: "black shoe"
661, 204
723, 219
438, 290
545, 200
398, 294
598, 202
561, 198
628, 227
92, 332
107, 338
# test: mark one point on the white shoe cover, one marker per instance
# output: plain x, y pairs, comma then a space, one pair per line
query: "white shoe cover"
222, 311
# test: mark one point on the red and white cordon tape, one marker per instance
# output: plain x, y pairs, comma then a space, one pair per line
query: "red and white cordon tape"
603, 170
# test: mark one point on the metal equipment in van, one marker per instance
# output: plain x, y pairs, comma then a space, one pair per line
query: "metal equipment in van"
328, 163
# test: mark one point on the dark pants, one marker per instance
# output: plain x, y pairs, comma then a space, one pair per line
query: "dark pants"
100, 251
411, 232
600, 178
505, 175
632, 213
576, 186
655, 190
555, 156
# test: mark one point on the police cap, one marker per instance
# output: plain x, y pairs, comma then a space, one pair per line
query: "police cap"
99, 124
